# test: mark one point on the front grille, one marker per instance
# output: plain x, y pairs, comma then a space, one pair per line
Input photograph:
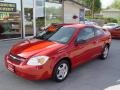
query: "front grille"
15, 59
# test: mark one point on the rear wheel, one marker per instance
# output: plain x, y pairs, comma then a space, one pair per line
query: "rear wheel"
105, 52
61, 71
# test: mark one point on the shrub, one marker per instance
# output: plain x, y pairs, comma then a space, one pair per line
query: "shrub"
107, 20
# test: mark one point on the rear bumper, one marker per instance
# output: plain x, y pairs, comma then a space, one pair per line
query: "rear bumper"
29, 72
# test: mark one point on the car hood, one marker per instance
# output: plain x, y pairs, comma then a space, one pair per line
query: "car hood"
29, 48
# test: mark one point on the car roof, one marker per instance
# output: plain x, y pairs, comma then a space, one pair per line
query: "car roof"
63, 24
77, 25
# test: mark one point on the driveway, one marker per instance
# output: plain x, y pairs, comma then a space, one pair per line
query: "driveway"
95, 75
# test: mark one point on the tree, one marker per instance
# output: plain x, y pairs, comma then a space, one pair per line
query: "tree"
94, 5
116, 4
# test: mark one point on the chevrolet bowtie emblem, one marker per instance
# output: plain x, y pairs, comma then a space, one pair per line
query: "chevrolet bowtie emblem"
13, 57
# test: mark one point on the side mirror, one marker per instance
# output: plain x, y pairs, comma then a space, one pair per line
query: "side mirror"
80, 42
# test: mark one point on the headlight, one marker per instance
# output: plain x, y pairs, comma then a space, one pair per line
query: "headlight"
39, 60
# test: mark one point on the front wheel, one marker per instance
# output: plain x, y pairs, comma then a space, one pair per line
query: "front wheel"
61, 71
105, 52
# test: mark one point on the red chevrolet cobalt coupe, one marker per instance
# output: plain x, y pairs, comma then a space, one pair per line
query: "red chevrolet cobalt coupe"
55, 54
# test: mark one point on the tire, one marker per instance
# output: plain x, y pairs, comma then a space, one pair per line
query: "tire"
61, 71
105, 52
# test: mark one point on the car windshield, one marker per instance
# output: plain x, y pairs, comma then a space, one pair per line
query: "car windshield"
111, 24
62, 35
48, 32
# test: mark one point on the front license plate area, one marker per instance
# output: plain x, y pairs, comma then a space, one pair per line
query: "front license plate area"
11, 67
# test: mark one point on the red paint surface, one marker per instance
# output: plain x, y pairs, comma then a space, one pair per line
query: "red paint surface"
78, 54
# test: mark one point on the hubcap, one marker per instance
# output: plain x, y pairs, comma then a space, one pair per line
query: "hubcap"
62, 71
105, 53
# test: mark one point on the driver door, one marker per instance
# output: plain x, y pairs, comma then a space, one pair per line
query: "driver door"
83, 50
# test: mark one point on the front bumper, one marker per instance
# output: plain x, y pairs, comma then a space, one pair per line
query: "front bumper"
29, 72
116, 36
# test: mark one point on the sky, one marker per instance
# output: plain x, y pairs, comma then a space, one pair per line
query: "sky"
106, 3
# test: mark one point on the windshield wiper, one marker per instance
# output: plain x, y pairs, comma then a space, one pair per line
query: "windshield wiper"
47, 39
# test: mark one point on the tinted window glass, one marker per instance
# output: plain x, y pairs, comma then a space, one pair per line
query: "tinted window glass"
98, 32
118, 28
85, 34
44, 35
48, 32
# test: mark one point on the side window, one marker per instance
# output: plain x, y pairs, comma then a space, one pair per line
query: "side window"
85, 34
118, 28
98, 32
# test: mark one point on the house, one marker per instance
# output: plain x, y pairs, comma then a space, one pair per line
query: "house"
73, 11
111, 13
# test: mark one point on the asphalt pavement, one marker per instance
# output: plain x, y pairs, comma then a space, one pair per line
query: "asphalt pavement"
94, 75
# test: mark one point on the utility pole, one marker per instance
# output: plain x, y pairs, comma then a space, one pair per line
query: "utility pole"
92, 12
34, 17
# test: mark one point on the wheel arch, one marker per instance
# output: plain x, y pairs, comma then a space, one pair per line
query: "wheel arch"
108, 44
64, 58
69, 60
